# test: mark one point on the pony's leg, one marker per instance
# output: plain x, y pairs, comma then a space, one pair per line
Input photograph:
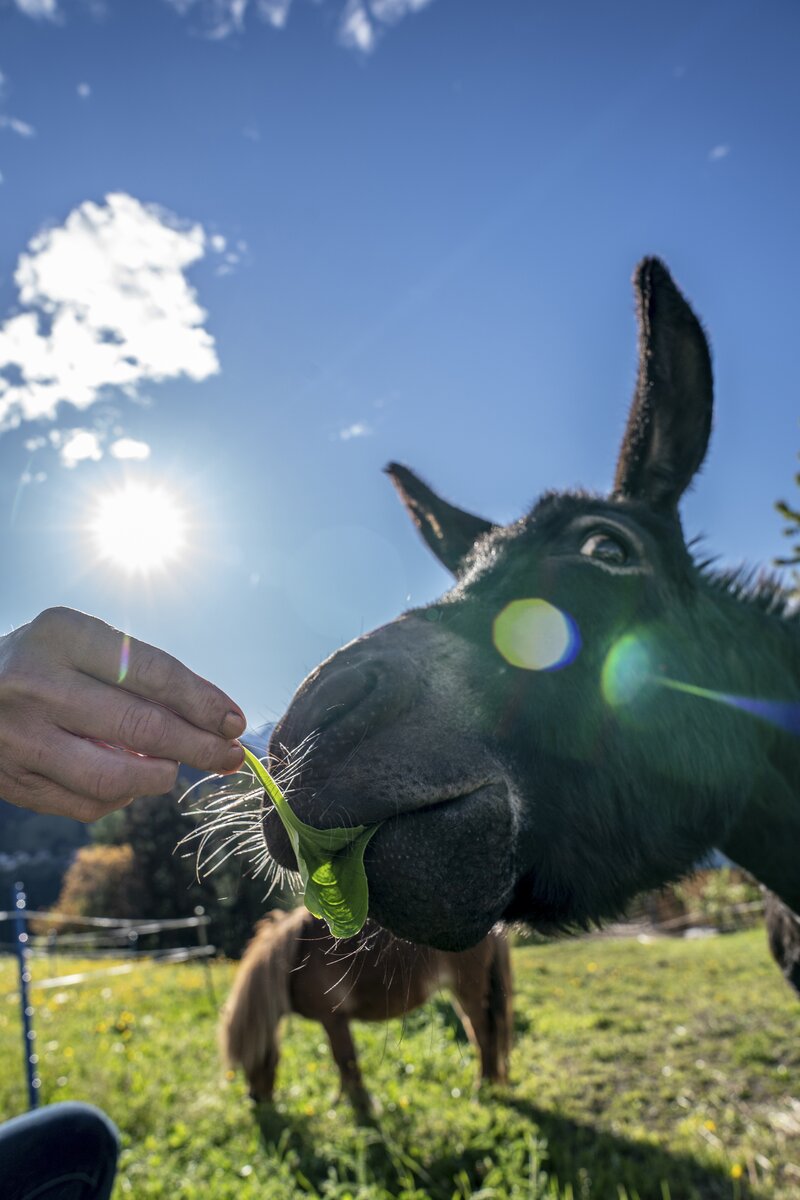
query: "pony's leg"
482, 999
261, 1077
344, 1053
472, 1013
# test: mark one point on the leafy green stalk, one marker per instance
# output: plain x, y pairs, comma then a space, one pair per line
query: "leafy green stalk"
330, 861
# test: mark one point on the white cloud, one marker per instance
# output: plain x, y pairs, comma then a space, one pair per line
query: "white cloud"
394, 10
220, 17
274, 12
355, 27
84, 91
129, 448
16, 126
77, 445
230, 258
364, 20
38, 8
360, 24
718, 152
356, 430
105, 303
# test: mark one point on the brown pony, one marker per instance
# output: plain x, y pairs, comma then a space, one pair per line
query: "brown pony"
293, 964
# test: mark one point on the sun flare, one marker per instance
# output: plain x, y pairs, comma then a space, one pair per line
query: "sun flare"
138, 527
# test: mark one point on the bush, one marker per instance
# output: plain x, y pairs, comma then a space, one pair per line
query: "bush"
719, 896
102, 881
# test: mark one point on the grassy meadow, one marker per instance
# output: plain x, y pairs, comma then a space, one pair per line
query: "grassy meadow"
667, 1070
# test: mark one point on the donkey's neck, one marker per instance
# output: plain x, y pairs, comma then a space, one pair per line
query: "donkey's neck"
765, 839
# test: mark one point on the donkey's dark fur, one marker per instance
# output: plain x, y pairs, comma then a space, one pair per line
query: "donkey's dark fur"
294, 965
553, 796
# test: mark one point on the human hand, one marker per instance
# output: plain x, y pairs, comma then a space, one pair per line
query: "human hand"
68, 681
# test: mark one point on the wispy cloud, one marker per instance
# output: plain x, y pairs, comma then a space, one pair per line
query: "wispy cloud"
360, 25
355, 29
716, 153
84, 90
22, 128
363, 21
40, 9
104, 303
274, 12
231, 255
358, 429
219, 18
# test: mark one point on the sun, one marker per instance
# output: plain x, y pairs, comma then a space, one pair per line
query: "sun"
138, 527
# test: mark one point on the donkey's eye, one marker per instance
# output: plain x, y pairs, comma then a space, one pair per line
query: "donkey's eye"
605, 547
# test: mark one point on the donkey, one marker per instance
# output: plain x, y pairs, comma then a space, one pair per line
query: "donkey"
584, 714
293, 964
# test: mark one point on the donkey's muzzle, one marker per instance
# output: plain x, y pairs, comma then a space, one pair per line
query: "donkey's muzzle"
340, 706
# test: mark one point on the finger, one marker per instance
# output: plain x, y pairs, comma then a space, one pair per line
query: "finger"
102, 773
37, 794
105, 653
94, 710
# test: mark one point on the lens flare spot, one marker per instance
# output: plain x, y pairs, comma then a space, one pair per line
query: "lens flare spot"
536, 636
124, 658
626, 670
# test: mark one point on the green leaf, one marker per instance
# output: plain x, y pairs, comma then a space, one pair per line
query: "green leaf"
330, 861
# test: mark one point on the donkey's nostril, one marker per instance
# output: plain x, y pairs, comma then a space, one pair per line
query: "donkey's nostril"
340, 692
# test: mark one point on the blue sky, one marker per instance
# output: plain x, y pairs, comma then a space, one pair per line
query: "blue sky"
343, 233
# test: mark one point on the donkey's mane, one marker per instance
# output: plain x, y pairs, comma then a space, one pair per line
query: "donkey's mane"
755, 586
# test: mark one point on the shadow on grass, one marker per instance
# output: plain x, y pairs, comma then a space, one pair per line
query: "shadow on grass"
593, 1162
577, 1152
290, 1134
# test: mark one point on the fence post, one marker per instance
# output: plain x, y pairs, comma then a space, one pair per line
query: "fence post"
202, 939
29, 1035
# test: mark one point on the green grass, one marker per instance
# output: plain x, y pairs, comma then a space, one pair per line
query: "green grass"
665, 1071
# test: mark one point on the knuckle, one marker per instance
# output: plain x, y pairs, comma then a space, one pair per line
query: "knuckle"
144, 728
25, 788
28, 781
108, 783
18, 685
56, 620
155, 671
212, 707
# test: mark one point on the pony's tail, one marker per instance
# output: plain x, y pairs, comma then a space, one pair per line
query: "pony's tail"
501, 1000
248, 1031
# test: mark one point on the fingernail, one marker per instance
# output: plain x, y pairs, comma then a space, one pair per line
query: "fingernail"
234, 758
233, 725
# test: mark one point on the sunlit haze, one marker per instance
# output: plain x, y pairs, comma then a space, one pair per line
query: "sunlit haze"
137, 528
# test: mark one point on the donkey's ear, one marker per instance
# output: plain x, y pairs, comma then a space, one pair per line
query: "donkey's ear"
450, 532
670, 419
